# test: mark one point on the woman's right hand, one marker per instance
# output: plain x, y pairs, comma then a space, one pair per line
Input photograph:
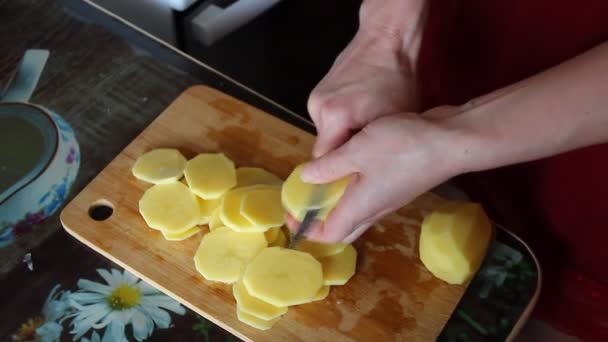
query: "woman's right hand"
374, 76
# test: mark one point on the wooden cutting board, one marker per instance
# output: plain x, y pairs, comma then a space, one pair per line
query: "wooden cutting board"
391, 297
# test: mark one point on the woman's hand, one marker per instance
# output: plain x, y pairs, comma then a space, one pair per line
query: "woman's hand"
393, 159
373, 76
396, 158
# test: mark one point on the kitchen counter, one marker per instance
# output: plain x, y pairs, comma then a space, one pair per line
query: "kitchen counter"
108, 82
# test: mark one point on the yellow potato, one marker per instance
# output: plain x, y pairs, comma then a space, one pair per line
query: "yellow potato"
224, 253
171, 236
339, 268
440, 263
453, 241
323, 213
254, 321
283, 277
272, 234
254, 306
210, 175
295, 194
246, 176
160, 166
322, 294
320, 250
230, 212
280, 241
207, 206
215, 221
170, 207
263, 207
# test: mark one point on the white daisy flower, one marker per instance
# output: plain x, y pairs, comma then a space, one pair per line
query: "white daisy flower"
47, 327
123, 300
57, 304
55, 308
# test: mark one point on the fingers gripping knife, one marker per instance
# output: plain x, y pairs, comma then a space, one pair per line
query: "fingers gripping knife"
317, 195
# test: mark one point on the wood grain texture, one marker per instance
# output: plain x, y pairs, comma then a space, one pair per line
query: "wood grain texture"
391, 297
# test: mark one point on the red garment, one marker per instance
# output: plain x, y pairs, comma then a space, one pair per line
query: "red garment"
472, 47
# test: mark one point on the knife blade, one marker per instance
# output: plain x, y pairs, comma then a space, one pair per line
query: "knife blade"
317, 195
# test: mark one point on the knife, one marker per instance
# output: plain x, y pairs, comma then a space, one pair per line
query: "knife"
318, 192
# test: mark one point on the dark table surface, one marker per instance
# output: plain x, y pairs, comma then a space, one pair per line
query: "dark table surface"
109, 82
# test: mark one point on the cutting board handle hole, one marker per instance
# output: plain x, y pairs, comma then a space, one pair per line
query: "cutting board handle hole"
101, 210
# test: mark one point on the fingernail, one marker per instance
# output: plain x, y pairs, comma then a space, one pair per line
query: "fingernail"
309, 173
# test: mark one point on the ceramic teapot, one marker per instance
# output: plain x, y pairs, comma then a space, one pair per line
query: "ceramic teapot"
39, 155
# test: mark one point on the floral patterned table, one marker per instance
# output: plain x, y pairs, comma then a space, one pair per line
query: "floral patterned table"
54, 288
93, 301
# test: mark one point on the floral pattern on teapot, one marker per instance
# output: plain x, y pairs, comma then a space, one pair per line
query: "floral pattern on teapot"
67, 164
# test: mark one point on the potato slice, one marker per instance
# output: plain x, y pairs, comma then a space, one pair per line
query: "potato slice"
210, 175
170, 207
254, 306
207, 206
280, 241
453, 241
181, 236
323, 213
320, 250
254, 321
231, 211
263, 207
322, 293
246, 176
295, 194
272, 234
283, 277
159, 166
223, 253
339, 268
216, 221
